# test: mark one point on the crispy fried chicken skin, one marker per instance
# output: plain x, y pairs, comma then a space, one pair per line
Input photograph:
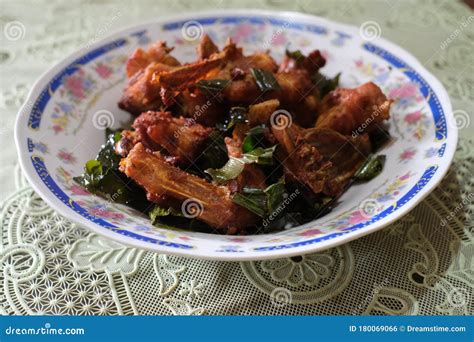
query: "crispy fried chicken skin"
181, 138
140, 94
159, 178
321, 159
350, 110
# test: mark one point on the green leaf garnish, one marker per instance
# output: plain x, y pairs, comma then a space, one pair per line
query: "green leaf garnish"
102, 177
372, 167
262, 202
297, 54
275, 195
236, 115
325, 84
212, 88
158, 211
254, 202
265, 80
252, 138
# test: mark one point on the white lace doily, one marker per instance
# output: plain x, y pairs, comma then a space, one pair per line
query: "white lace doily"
420, 265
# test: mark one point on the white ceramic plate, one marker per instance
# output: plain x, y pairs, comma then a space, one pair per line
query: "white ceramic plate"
56, 131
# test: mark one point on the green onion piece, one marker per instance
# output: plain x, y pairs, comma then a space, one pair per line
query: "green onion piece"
265, 79
234, 166
231, 170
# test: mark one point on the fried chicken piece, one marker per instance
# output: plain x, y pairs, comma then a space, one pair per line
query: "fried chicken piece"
244, 91
311, 63
295, 85
305, 110
206, 47
242, 88
140, 94
180, 78
354, 110
261, 113
180, 137
345, 153
199, 107
214, 204
322, 159
156, 53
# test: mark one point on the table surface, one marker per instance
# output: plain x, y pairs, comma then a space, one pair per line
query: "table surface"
420, 265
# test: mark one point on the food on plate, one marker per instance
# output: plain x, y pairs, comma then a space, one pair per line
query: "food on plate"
237, 143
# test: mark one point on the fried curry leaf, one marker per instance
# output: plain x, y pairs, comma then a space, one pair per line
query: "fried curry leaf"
215, 152
158, 211
236, 115
107, 156
297, 54
265, 80
234, 166
212, 88
275, 195
325, 84
263, 202
260, 155
372, 167
254, 202
102, 177
379, 137
252, 138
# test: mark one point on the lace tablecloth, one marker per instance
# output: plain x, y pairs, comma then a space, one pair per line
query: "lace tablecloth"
423, 264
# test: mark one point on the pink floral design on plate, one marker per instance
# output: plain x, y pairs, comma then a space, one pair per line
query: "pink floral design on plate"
66, 157
407, 154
